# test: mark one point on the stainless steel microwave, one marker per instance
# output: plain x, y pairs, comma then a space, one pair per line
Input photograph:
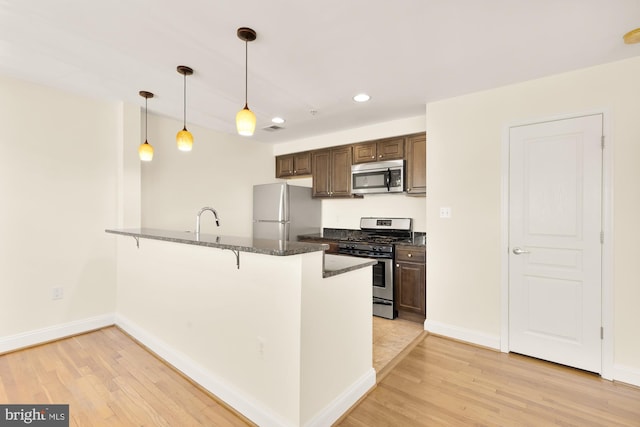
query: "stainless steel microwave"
378, 177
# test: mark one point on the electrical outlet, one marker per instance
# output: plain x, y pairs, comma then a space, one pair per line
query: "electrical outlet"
445, 212
57, 293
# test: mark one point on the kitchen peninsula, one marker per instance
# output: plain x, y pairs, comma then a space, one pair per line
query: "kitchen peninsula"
278, 332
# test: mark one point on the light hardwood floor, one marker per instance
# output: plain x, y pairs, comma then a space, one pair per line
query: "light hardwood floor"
110, 380
446, 383
391, 339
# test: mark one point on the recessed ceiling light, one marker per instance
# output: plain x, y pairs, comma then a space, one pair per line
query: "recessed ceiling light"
277, 120
361, 97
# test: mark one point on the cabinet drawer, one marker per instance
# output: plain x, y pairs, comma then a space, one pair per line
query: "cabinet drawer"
411, 254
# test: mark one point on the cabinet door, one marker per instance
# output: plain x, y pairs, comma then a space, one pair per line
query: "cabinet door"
417, 164
284, 166
410, 287
341, 172
391, 149
321, 173
302, 164
365, 152
293, 165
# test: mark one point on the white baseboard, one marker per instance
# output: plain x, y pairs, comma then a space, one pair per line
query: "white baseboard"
462, 334
251, 409
222, 390
344, 401
626, 374
55, 332
620, 373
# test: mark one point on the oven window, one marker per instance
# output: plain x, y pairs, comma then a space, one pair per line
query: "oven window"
379, 275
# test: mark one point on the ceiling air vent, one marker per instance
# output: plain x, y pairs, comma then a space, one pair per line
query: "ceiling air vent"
273, 128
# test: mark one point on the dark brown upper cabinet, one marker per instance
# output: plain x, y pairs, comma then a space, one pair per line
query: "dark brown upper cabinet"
380, 150
293, 165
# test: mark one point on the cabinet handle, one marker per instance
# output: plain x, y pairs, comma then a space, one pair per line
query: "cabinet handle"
373, 157
409, 255
380, 156
397, 265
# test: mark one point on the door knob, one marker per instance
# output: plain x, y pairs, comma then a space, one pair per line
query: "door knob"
519, 251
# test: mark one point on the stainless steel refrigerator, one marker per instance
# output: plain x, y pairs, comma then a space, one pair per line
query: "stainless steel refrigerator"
283, 212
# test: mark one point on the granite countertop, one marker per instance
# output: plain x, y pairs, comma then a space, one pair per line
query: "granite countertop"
418, 240
241, 244
338, 264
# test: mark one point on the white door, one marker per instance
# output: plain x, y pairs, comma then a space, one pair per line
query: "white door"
555, 250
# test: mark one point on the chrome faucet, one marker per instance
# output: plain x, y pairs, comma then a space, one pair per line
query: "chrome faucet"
201, 212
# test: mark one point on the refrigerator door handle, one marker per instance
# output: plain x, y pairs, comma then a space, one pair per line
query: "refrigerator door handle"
284, 204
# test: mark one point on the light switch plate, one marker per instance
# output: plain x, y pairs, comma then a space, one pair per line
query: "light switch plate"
445, 212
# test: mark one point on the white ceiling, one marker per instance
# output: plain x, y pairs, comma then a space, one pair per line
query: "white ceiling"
308, 55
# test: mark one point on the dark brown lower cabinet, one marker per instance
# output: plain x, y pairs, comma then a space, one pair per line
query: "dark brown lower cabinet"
410, 282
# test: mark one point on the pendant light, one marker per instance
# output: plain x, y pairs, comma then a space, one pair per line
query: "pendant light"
632, 36
245, 119
145, 151
184, 139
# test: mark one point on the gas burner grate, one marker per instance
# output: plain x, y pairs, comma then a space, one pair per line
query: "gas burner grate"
377, 239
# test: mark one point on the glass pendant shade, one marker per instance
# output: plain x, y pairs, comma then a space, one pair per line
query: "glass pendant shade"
245, 121
145, 151
184, 139
632, 36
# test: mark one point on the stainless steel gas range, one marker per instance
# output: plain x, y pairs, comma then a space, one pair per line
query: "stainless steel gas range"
376, 239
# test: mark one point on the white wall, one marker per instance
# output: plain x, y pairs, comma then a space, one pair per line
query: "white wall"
346, 213
58, 190
463, 171
219, 172
209, 316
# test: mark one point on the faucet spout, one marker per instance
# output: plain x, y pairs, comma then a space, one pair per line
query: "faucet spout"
213, 211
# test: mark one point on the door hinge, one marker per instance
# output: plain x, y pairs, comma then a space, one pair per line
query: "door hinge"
602, 142
601, 333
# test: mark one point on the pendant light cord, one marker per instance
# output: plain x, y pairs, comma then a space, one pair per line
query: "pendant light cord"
146, 119
184, 124
246, 72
